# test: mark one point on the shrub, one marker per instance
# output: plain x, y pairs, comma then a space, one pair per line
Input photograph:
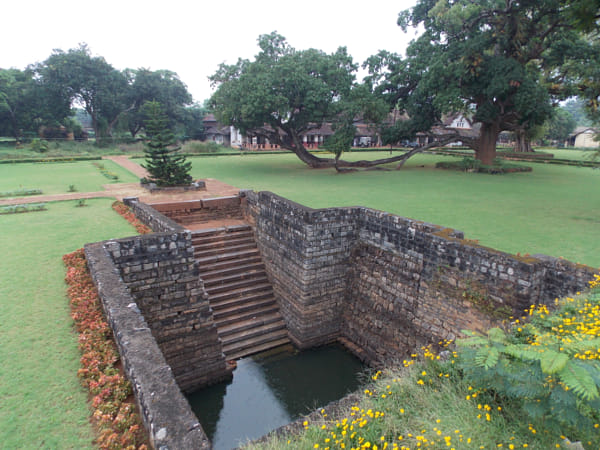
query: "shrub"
202, 147
39, 145
469, 164
549, 361
21, 193
15, 209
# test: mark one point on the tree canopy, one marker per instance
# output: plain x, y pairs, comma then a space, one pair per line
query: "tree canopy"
502, 63
162, 86
25, 105
91, 81
285, 93
112, 98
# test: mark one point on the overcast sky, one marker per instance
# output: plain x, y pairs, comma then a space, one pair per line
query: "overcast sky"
192, 38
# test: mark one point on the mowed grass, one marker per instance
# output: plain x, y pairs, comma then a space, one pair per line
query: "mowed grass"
554, 210
55, 178
42, 404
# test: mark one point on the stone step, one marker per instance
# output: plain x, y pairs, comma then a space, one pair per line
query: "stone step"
248, 324
219, 245
241, 306
247, 311
256, 336
221, 237
233, 286
256, 348
244, 266
201, 253
225, 256
221, 231
240, 296
223, 279
230, 264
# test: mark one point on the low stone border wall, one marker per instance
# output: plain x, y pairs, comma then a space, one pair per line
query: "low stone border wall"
170, 422
152, 217
201, 211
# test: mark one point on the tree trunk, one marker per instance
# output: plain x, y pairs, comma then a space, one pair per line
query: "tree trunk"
319, 163
522, 142
486, 147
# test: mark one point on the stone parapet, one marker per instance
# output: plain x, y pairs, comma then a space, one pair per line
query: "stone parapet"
166, 414
389, 284
160, 272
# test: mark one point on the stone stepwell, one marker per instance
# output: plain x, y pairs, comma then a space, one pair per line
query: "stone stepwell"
241, 297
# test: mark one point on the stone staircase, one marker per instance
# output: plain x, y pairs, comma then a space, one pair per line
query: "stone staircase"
244, 307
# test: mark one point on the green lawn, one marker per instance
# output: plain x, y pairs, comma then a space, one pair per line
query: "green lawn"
572, 154
553, 210
42, 403
55, 178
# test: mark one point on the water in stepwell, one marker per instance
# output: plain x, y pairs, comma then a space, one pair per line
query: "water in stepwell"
271, 389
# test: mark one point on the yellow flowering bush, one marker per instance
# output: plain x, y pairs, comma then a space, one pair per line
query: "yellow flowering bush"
548, 360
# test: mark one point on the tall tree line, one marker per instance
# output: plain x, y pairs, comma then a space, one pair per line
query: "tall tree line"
45, 93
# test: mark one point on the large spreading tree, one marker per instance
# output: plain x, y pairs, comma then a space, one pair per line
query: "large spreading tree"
162, 86
25, 104
503, 63
90, 81
285, 93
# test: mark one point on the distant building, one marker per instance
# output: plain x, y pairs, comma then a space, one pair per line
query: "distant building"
216, 132
583, 137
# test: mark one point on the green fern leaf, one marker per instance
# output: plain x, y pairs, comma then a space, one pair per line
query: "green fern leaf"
472, 342
552, 362
579, 381
487, 357
523, 352
497, 335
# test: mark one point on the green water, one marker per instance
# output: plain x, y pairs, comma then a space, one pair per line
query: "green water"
272, 389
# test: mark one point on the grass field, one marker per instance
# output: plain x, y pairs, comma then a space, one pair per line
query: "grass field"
56, 178
553, 210
42, 403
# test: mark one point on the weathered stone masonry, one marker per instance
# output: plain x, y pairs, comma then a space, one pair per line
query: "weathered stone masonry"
160, 272
158, 310
390, 284
166, 414
381, 283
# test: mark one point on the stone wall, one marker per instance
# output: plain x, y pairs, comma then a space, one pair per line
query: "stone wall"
390, 284
201, 211
166, 414
162, 276
157, 221
306, 252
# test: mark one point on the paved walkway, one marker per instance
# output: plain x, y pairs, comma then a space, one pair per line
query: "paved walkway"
214, 188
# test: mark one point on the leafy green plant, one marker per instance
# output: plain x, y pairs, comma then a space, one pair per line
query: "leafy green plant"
21, 193
39, 145
107, 173
548, 361
14, 209
72, 188
203, 147
80, 203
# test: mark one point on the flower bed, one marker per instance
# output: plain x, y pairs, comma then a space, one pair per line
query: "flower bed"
115, 414
124, 211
